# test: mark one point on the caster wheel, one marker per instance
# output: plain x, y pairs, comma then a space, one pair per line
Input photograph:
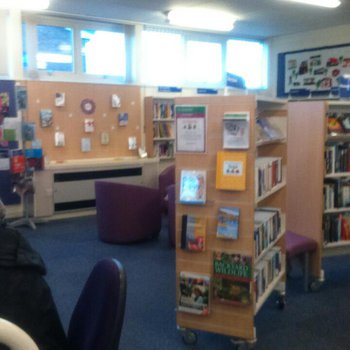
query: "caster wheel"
238, 344
251, 345
315, 286
189, 337
281, 302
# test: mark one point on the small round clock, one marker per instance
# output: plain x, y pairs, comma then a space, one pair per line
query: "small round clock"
88, 106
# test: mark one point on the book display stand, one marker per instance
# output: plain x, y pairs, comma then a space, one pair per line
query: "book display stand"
319, 169
236, 271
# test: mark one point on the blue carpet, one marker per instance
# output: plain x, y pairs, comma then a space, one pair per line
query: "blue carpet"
70, 248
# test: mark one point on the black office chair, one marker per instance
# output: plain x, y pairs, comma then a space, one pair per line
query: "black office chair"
97, 319
98, 316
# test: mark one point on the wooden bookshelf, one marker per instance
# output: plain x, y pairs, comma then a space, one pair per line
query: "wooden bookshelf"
159, 127
308, 138
222, 317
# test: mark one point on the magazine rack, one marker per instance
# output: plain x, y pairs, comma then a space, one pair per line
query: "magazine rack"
222, 318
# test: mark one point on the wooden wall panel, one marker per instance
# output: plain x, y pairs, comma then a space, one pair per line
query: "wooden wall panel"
70, 118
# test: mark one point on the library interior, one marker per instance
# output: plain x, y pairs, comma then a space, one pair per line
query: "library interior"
174, 185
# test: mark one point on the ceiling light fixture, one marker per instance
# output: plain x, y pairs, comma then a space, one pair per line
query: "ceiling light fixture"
322, 3
30, 5
202, 19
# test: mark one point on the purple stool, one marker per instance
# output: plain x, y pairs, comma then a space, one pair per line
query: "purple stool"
297, 245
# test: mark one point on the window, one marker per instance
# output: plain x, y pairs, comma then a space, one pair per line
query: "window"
203, 62
55, 48
248, 60
162, 59
103, 52
74, 50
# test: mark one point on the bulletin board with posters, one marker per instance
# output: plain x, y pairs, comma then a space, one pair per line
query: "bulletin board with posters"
317, 72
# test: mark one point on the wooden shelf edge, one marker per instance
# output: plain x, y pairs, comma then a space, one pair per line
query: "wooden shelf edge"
272, 191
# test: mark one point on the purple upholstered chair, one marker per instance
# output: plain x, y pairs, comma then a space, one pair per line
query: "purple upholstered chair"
171, 214
97, 319
299, 245
165, 179
127, 213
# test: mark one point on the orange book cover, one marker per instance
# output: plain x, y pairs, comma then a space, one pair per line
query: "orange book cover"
231, 170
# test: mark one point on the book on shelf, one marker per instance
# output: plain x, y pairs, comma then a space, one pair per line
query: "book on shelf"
194, 293
266, 131
336, 193
228, 223
337, 157
193, 186
164, 149
268, 174
338, 123
231, 170
232, 278
165, 130
236, 130
163, 110
267, 226
336, 227
193, 233
266, 270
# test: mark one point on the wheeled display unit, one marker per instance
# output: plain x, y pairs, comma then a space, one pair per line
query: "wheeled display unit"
235, 321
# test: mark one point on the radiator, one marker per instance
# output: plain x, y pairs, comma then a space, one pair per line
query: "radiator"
76, 190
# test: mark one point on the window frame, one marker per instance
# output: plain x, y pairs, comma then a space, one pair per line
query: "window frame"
133, 49
31, 21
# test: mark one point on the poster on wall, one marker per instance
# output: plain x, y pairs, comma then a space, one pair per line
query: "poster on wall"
190, 128
317, 72
7, 99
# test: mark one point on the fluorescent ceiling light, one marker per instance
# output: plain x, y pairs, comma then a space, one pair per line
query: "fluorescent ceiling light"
322, 3
29, 5
202, 19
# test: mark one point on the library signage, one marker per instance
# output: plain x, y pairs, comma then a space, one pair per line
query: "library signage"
169, 89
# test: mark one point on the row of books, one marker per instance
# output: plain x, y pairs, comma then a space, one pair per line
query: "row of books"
193, 230
268, 174
266, 270
267, 226
164, 149
336, 227
231, 283
163, 130
336, 193
337, 158
163, 110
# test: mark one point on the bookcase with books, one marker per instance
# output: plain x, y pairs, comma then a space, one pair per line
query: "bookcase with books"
230, 215
318, 177
159, 124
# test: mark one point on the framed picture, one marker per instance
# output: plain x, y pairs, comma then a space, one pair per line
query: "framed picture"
190, 128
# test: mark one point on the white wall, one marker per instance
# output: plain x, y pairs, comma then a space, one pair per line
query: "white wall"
313, 39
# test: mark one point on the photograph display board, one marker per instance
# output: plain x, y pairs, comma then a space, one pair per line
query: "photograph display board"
314, 72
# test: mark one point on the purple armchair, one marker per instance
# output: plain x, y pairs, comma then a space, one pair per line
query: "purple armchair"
171, 214
127, 213
166, 178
